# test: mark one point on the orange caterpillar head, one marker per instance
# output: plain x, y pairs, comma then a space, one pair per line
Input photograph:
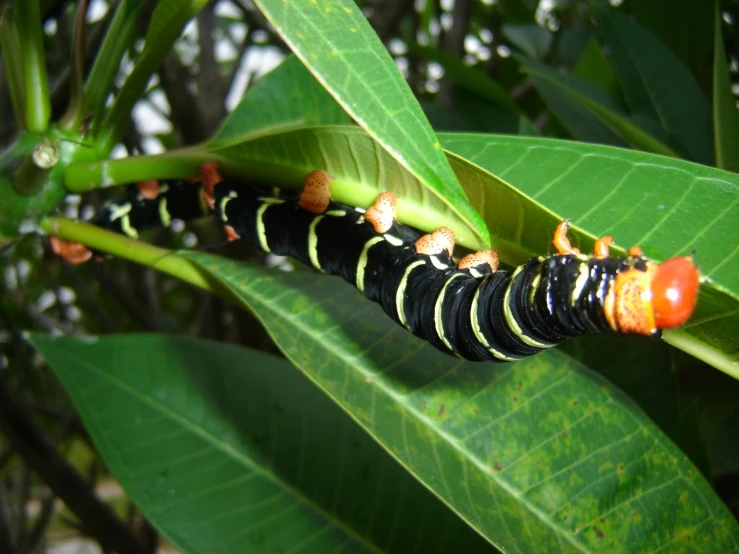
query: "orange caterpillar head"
661, 297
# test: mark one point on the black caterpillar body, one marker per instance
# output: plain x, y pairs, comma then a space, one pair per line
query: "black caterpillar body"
473, 311
473, 314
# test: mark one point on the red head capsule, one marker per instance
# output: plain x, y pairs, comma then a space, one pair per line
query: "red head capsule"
674, 292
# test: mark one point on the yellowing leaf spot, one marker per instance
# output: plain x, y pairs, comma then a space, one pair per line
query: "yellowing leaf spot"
348, 10
352, 29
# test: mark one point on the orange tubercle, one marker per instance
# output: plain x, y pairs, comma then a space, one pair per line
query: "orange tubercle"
381, 215
636, 251
479, 258
149, 188
602, 247
674, 291
210, 176
437, 242
561, 242
316, 193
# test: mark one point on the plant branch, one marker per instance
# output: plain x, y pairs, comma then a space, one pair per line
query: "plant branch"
36, 83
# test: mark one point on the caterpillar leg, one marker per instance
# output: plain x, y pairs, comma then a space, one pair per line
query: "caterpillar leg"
316, 193
480, 263
437, 242
381, 215
561, 242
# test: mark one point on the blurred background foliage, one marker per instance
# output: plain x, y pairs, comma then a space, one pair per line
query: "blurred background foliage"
554, 68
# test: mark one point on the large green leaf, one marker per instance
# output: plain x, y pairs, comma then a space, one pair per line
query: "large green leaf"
685, 26
595, 67
287, 96
336, 43
667, 206
229, 450
657, 85
538, 456
597, 103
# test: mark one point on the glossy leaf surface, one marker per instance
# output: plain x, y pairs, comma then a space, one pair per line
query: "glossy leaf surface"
229, 450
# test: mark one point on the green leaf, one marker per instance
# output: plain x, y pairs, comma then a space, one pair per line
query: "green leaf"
657, 86
107, 63
595, 67
669, 207
596, 103
167, 22
287, 96
538, 456
533, 40
231, 450
686, 27
336, 43
725, 112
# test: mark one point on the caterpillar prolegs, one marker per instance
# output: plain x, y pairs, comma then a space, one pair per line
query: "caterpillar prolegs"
471, 309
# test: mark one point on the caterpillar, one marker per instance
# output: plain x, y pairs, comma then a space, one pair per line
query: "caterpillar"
472, 309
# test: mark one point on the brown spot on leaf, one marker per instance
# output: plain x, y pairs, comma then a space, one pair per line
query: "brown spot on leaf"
515, 398
497, 466
441, 410
598, 532
574, 402
565, 434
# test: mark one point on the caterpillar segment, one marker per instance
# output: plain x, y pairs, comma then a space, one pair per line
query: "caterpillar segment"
472, 309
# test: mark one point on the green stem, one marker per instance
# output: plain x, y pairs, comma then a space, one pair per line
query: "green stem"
36, 84
702, 351
117, 40
13, 61
178, 164
157, 258
75, 111
166, 25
